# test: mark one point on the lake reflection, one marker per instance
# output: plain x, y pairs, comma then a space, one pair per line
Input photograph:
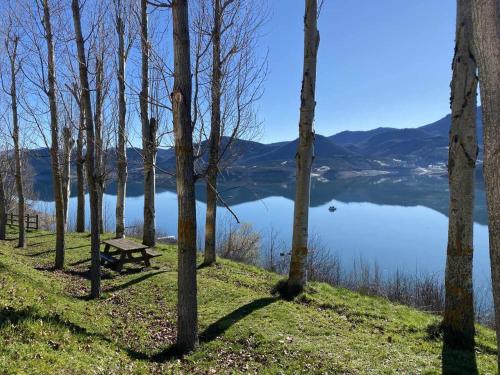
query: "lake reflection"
398, 222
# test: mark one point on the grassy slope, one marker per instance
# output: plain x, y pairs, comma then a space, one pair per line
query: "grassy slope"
47, 325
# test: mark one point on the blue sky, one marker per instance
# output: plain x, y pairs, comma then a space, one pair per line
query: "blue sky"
380, 63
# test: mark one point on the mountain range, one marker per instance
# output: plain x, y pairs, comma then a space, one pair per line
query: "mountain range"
421, 150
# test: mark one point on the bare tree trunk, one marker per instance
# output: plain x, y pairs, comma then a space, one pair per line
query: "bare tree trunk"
214, 142
66, 172
149, 233
305, 153
54, 148
458, 320
80, 179
122, 112
17, 151
486, 25
187, 320
3, 206
99, 144
95, 270
148, 137
21, 211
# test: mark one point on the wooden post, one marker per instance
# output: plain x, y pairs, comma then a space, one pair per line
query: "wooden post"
27, 221
36, 221
11, 218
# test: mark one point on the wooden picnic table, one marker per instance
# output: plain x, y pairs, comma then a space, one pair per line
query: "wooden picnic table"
123, 253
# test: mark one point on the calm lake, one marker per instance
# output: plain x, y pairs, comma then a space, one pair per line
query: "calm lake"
398, 222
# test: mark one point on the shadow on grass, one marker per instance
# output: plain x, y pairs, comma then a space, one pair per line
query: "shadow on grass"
41, 253
170, 353
34, 244
208, 265
223, 324
456, 361
85, 274
11, 316
78, 247
41, 235
15, 238
11, 239
83, 261
106, 273
203, 265
133, 281
286, 291
211, 333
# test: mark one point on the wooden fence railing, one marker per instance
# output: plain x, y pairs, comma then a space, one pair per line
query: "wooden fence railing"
31, 221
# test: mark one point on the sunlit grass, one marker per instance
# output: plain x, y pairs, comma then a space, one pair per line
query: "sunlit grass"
48, 326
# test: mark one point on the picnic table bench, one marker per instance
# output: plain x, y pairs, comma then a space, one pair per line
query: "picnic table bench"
122, 253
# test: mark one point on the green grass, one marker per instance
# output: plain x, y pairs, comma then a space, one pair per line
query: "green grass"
48, 326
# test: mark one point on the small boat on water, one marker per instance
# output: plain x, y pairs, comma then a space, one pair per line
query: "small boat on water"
332, 208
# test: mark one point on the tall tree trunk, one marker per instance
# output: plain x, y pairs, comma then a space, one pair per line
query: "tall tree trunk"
305, 153
459, 307
54, 147
66, 172
3, 206
95, 268
187, 320
21, 210
148, 137
214, 142
486, 25
121, 149
80, 165
99, 143
149, 232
